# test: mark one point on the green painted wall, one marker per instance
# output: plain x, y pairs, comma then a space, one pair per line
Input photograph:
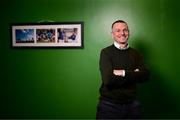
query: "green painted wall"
64, 83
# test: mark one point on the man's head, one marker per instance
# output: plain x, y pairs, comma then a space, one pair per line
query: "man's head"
120, 31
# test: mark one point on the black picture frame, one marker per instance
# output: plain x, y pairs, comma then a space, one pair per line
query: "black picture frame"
47, 35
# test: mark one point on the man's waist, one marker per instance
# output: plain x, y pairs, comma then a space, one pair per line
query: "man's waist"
118, 101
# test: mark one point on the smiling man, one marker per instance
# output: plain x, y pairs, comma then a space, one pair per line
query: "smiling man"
121, 69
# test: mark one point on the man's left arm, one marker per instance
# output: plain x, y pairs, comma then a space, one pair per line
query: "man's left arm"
139, 74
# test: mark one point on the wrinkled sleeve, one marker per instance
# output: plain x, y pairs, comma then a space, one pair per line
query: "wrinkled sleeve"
106, 69
138, 76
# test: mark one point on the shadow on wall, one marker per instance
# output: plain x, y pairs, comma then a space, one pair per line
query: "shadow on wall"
154, 95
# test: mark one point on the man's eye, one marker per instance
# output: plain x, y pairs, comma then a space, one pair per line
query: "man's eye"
125, 30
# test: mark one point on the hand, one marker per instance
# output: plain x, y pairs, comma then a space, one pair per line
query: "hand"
118, 72
136, 70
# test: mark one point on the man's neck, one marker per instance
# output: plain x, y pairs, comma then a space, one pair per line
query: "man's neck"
121, 46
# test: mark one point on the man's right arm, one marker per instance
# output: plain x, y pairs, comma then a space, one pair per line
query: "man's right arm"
108, 77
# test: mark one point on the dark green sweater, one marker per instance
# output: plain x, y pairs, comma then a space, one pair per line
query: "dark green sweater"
119, 89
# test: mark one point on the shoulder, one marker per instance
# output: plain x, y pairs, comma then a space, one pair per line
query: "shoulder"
107, 49
134, 52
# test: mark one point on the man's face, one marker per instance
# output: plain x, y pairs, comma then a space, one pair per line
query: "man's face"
120, 33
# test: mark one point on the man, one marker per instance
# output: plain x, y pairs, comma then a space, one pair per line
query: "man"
121, 68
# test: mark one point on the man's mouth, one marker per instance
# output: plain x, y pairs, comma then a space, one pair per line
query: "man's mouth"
122, 36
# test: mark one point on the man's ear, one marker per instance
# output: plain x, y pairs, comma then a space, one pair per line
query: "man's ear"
112, 34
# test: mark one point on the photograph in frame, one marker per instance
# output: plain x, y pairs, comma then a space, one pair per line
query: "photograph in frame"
60, 35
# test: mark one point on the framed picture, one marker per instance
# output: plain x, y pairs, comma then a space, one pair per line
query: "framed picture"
52, 34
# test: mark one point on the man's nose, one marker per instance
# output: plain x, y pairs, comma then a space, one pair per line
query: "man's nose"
122, 33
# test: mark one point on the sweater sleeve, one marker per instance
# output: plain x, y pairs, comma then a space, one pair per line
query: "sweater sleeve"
106, 69
139, 76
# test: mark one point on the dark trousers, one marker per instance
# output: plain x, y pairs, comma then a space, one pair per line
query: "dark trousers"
108, 110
